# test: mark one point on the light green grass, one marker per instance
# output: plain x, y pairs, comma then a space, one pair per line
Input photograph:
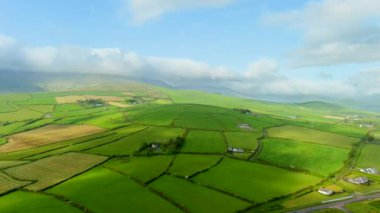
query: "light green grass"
199, 141
364, 207
33, 203
369, 157
20, 115
131, 144
110, 121
196, 198
318, 159
254, 181
311, 135
141, 168
41, 108
5, 107
243, 140
102, 190
8, 183
186, 165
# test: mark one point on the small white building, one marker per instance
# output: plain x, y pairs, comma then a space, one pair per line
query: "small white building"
235, 150
371, 171
359, 180
244, 126
325, 191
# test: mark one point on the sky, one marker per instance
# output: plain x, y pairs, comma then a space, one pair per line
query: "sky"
256, 47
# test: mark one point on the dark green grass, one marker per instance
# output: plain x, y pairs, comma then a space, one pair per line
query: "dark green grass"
129, 145
254, 181
30, 202
141, 168
102, 190
318, 159
199, 141
186, 165
196, 198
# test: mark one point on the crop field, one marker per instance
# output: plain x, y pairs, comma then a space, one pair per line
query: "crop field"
7, 183
243, 140
142, 168
20, 115
186, 165
6, 164
52, 170
31, 202
131, 144
195, 198
312, 136
47, 135
369, 157
254, 181
204, 142
303, 156
94, 187
74, 98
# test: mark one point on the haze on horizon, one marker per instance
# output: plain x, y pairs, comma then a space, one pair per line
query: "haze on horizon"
327, 48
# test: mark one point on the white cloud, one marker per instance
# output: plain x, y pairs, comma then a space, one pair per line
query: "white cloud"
262, 68
145, 10
336, 31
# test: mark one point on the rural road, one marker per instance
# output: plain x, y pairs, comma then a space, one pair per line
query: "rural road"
339, 204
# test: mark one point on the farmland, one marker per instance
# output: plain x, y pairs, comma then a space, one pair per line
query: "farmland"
154, 150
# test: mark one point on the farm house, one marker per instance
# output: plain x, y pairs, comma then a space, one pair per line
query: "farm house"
325, 191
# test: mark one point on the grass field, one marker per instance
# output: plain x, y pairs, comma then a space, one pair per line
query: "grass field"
30, 202
311, 135
196, 198
131, 144
186, 165
74, 98
254, 181
141, 168
204, 142
369, 157
243, 140
47, 135
299, 155
6, 164
52, 170
7, 183
20, 115
364, 206
106, 191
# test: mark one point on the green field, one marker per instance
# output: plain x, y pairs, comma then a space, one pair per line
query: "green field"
21, 201
243, 140
312, 136
199, 141
254, 181
369, 157
143, 169
195, 198
186, 165
303, 156
364, 206
107, 191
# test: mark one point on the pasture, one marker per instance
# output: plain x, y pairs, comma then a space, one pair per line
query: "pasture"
254, 181
199, 141
142, 168
243, 140
312, 136
6, 164
186, 165
47, 135
106, 191
303, 156
74, 98
369, 156
31, 202
195, 198
52, 170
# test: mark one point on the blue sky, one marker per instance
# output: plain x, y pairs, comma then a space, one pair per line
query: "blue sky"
285, 44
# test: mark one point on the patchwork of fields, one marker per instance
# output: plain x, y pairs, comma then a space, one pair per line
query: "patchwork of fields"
154, 150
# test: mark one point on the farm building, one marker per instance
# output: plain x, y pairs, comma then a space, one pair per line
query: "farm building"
244, 126
235, 150
371, 171
359, 180
325, 191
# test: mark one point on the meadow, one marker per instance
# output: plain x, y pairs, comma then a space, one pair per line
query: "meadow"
186, 165
369, 156
199, 141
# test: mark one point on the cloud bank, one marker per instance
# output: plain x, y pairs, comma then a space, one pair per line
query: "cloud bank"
262, 77
146, 10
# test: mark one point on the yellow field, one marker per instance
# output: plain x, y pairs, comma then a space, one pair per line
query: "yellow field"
118, 104
47, 135
52, 170
7, 183
74, 98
